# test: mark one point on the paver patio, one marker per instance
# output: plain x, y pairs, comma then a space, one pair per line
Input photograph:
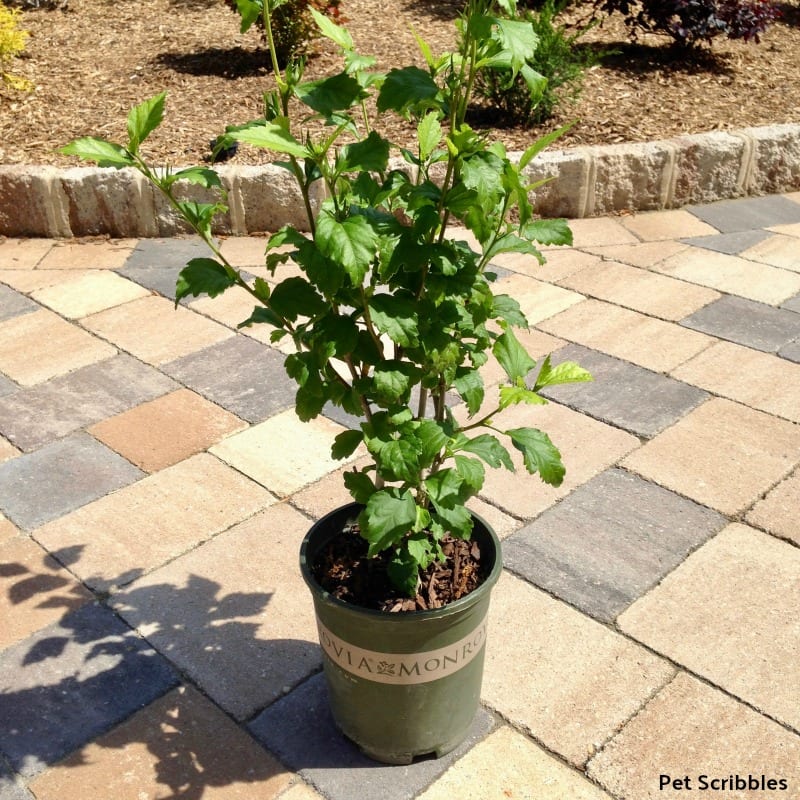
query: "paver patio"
156, 638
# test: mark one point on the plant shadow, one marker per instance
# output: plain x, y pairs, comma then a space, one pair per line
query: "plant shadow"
231, 62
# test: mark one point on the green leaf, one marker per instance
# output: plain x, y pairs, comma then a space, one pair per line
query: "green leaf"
352, 243
395, 316
488, 448
548, 231
393, 380
262, 315
469, 384
399, 460
432, 439
249, 11
429, 134
507, 308
144, 119
103, 153
483, 174
370, 155
201, 176
345, 444
403, 571
513, 395
565, 372
445, 488
296, 297
509, 243
471, 472
456, 520
540, 144
203, 276
328, 95
519, 40
539, 454
360, 486
270, 136
405, 89
512, 356
390, 514
330, 30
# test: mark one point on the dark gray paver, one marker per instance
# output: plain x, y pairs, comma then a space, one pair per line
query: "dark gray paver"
157, 279
166, 253
624, 394
746, 322
12, 303
239, 374
33, 416
38, 487
729, 216
609, 541
730, 243
792, 304
300, 731
791, 351
71, 682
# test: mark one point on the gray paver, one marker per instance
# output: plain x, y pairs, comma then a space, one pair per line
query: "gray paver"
60, 477
7, 386
746, 322
239, 374
624, 394
791, 351
730, 243
12, 303
72, 681
33, 416
10, 789
300, 731
792, 304
166, 253
729, 216
158, 279
608, 542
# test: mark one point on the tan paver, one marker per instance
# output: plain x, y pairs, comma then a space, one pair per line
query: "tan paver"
690, 730
35, 590
792, 229
329, 492
778, 251
729, 613
7, 529
525, 495
537, 300
641, 290
560, 262
644, 255
156, 332
30, 280
722, 454
567, 679
239, 619
244, 251
231, 308
89, 293
283, 453
178, 746
598, 231
88, 255
756, 379
167, 430
138, 528
507, 765
648, 342
7, 450
779, 511
23, 253
655, 226
733, 275
37, 346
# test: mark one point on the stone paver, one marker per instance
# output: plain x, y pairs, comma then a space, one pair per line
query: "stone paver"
35, 590
300, 730
537, 300
36, 415
732, 274
137, 529
608, 542
751, 213
231, 309
722, 454
680, 734
266, 452
12, 303
179, 745
729, 613
645, 254
648, 292
43, 485
651, 343
167, 430
630, 397
153, 330
31, 280
778, 251
88, 294
166, 254
600, 231
23, 253
87, 255
755, 325
779, 511
791, 352
234, 614
243, 376
7, 450
661, 225
730, 243
758, 380
560, 263
40, 345
506, 764
72, 681
543, 660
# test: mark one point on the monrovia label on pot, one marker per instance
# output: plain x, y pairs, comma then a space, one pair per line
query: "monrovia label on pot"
403, 668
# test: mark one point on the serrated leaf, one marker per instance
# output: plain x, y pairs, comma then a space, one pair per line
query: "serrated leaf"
352, 243
471, 471
103, 153
549, 231
396, 317
249, 11
565, 372
489, 449
456, 520
403, 572
513, 395
507, 308
483, 174
399, 460
390, 514
469, 385
539, 454
405, 89
540, 144
432, 439
201, 176
370, 155
330, 30
270, 136
143, 119
429, 134
262, 315
509, 243
512, 356
346, 443
296, 297
393, 380
203, 276
518, 39
445, 488
360, 486
329, 95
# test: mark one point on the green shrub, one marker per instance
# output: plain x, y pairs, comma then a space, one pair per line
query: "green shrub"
559, 60
12, 43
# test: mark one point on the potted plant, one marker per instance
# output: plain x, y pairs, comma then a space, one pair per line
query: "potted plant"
392, 319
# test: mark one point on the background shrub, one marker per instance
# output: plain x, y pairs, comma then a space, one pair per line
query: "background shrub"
12, 43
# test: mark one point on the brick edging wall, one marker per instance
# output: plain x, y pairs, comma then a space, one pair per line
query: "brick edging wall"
584, 182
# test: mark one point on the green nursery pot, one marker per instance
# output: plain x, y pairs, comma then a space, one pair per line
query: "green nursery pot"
407, 684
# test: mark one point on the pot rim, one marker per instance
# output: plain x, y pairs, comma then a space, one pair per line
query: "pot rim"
395, 616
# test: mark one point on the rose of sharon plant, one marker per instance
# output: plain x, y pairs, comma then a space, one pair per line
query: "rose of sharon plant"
391, 317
